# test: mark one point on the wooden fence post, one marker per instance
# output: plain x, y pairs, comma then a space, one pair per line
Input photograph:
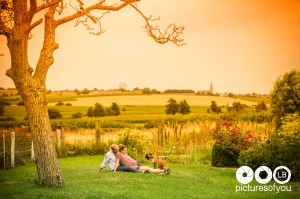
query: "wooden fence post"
12, 147
4, 150
160, 135
98, 134
58, 138
32, 151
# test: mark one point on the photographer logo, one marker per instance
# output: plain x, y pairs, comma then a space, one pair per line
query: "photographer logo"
281, 175
241, 172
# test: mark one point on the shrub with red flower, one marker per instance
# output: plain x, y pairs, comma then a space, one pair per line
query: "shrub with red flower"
229, 142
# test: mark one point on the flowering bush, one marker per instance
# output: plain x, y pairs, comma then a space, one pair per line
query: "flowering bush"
229, 142
135, 140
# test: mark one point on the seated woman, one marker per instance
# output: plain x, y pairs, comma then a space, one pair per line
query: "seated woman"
125, 160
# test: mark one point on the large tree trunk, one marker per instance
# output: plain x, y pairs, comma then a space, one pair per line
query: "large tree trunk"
49, 173
34, 96
32, 89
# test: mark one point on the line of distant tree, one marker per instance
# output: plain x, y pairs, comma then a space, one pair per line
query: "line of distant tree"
236, 107
174, 107
100, 111
145, 90
179, 91
149, 91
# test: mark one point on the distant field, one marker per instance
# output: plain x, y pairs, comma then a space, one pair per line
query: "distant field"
153, 100
131, 105
253, 99
129, 111
18, 112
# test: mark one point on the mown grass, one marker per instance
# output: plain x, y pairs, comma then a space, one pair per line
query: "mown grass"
83, 181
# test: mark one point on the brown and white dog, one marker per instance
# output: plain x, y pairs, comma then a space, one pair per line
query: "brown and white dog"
157, 161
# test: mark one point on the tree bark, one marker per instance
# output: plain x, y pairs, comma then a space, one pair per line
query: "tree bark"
49, 173
33, 94
33, 90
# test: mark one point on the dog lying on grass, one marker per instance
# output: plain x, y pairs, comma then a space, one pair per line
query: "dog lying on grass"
157, 161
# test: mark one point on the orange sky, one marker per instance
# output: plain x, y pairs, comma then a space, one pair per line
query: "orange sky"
242, 46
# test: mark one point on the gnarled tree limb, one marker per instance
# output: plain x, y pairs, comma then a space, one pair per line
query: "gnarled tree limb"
171, 34
98, 6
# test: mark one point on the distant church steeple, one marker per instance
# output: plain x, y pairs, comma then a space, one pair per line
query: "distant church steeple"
211, 88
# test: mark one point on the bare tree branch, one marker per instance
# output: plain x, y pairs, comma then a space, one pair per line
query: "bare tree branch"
35, 24
171, 34
6, 17
46, 58
98, 6
46, 5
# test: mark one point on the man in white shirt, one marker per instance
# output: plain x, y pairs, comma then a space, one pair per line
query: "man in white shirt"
110, 159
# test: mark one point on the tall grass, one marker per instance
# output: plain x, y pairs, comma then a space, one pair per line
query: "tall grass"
183, 142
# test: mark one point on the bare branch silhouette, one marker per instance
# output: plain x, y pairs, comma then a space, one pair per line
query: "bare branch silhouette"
171, 34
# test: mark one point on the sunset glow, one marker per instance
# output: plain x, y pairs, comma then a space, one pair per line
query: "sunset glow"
241, 46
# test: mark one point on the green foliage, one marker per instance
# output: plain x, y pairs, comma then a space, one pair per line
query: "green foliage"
288, 142
54, 113
174, 107
59, 104
77, 115
214, 107
150, 91
261, 106
281, 149
99, 110
8, 118
90, 112
115, 109
256, 156
285, 97
21, 103
259, 117
134, 140
83, 181
236, 107
230, 95
229, 143
86, 91
221, 158
2, 105
179, 91
171, 107
70, 150
184, 107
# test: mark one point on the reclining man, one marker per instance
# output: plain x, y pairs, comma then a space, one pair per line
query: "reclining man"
110, 159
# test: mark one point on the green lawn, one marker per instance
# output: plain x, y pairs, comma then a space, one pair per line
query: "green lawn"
83, 181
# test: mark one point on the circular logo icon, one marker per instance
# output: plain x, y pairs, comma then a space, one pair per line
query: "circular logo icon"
263, 180
244, 174
288, 177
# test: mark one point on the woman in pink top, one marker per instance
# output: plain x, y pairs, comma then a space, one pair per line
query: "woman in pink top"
124, 159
